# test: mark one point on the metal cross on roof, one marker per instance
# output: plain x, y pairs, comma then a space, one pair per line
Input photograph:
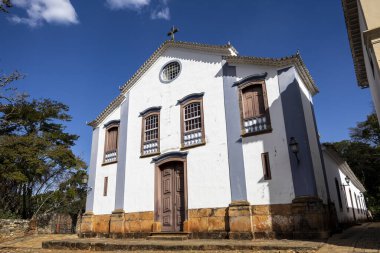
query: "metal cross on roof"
172, 32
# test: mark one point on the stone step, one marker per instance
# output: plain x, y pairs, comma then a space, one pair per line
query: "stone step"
169, 236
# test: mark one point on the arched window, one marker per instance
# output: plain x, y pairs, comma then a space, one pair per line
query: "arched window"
110, 144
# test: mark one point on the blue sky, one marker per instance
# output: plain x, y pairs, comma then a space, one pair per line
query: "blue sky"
79, 52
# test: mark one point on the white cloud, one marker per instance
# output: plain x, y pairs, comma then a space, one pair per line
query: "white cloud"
158, 8
127, 4
49, 11
163, 13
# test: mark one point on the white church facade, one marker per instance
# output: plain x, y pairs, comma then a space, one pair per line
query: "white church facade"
205, 141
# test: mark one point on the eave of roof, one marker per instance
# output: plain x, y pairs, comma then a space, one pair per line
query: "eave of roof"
344, 167
351, 15
295, 60
227, 49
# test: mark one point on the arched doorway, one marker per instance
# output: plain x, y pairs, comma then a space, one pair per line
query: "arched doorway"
171, 193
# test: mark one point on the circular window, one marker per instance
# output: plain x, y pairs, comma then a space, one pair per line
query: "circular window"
170, 71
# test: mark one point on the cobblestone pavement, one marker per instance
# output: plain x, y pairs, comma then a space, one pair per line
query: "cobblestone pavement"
364, 238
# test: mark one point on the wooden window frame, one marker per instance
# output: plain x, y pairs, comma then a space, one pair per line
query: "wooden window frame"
109, 127
241, 87
183, 106
143, 134
267, 174
105, 187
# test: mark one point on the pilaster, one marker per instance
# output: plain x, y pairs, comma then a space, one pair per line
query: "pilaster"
240, 220
311, 218
117, 228
86, 225
122, 155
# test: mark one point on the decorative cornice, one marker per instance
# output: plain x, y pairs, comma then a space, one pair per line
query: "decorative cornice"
351, 16
255, 77
189, 97
169, 155
227, 49
294, 60
149, 110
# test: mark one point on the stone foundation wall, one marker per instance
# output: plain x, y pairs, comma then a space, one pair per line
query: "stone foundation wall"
306, 217
54, 223
117, 225
208, 223
13, 228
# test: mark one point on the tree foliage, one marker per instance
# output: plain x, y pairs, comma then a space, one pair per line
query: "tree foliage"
36, 159
5, 5
362, 153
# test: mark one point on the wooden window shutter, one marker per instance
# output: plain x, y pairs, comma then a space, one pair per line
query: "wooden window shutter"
266, 166
105, 189
253, 101
112, 135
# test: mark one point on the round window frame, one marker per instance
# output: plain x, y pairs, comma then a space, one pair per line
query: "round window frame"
162, 71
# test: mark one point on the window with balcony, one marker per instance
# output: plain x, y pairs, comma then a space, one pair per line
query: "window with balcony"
192, 124
255, 118
150, 131
111, 139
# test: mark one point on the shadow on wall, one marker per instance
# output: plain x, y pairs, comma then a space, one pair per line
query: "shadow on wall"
284, 216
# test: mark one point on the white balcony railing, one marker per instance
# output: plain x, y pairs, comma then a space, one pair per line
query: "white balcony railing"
256, 124
192, 138
110, 156
150, 147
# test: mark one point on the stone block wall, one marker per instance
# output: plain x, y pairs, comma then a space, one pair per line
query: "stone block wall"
306, 217
208, 223
13, 228
117, 225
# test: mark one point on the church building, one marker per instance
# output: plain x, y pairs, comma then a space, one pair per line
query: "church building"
212, 144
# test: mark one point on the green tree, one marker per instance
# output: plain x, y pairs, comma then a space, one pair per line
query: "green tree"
35, 153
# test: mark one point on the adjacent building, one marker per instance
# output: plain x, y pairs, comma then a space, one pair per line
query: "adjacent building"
347, 192
205, 141
363, 28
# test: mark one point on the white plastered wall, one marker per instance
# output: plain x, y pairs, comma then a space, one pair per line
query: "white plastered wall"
207, 166
105, 204
278, 190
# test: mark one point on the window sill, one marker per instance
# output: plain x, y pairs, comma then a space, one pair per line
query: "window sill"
192, 146
108, 163
149, 155
269, 130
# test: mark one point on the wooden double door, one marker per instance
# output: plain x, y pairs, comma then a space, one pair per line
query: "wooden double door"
172, 196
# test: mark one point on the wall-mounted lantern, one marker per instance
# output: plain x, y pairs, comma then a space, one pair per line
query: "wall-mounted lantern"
85, 181
293, 144
347, 179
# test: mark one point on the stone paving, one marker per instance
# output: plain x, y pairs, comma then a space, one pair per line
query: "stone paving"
363, 238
